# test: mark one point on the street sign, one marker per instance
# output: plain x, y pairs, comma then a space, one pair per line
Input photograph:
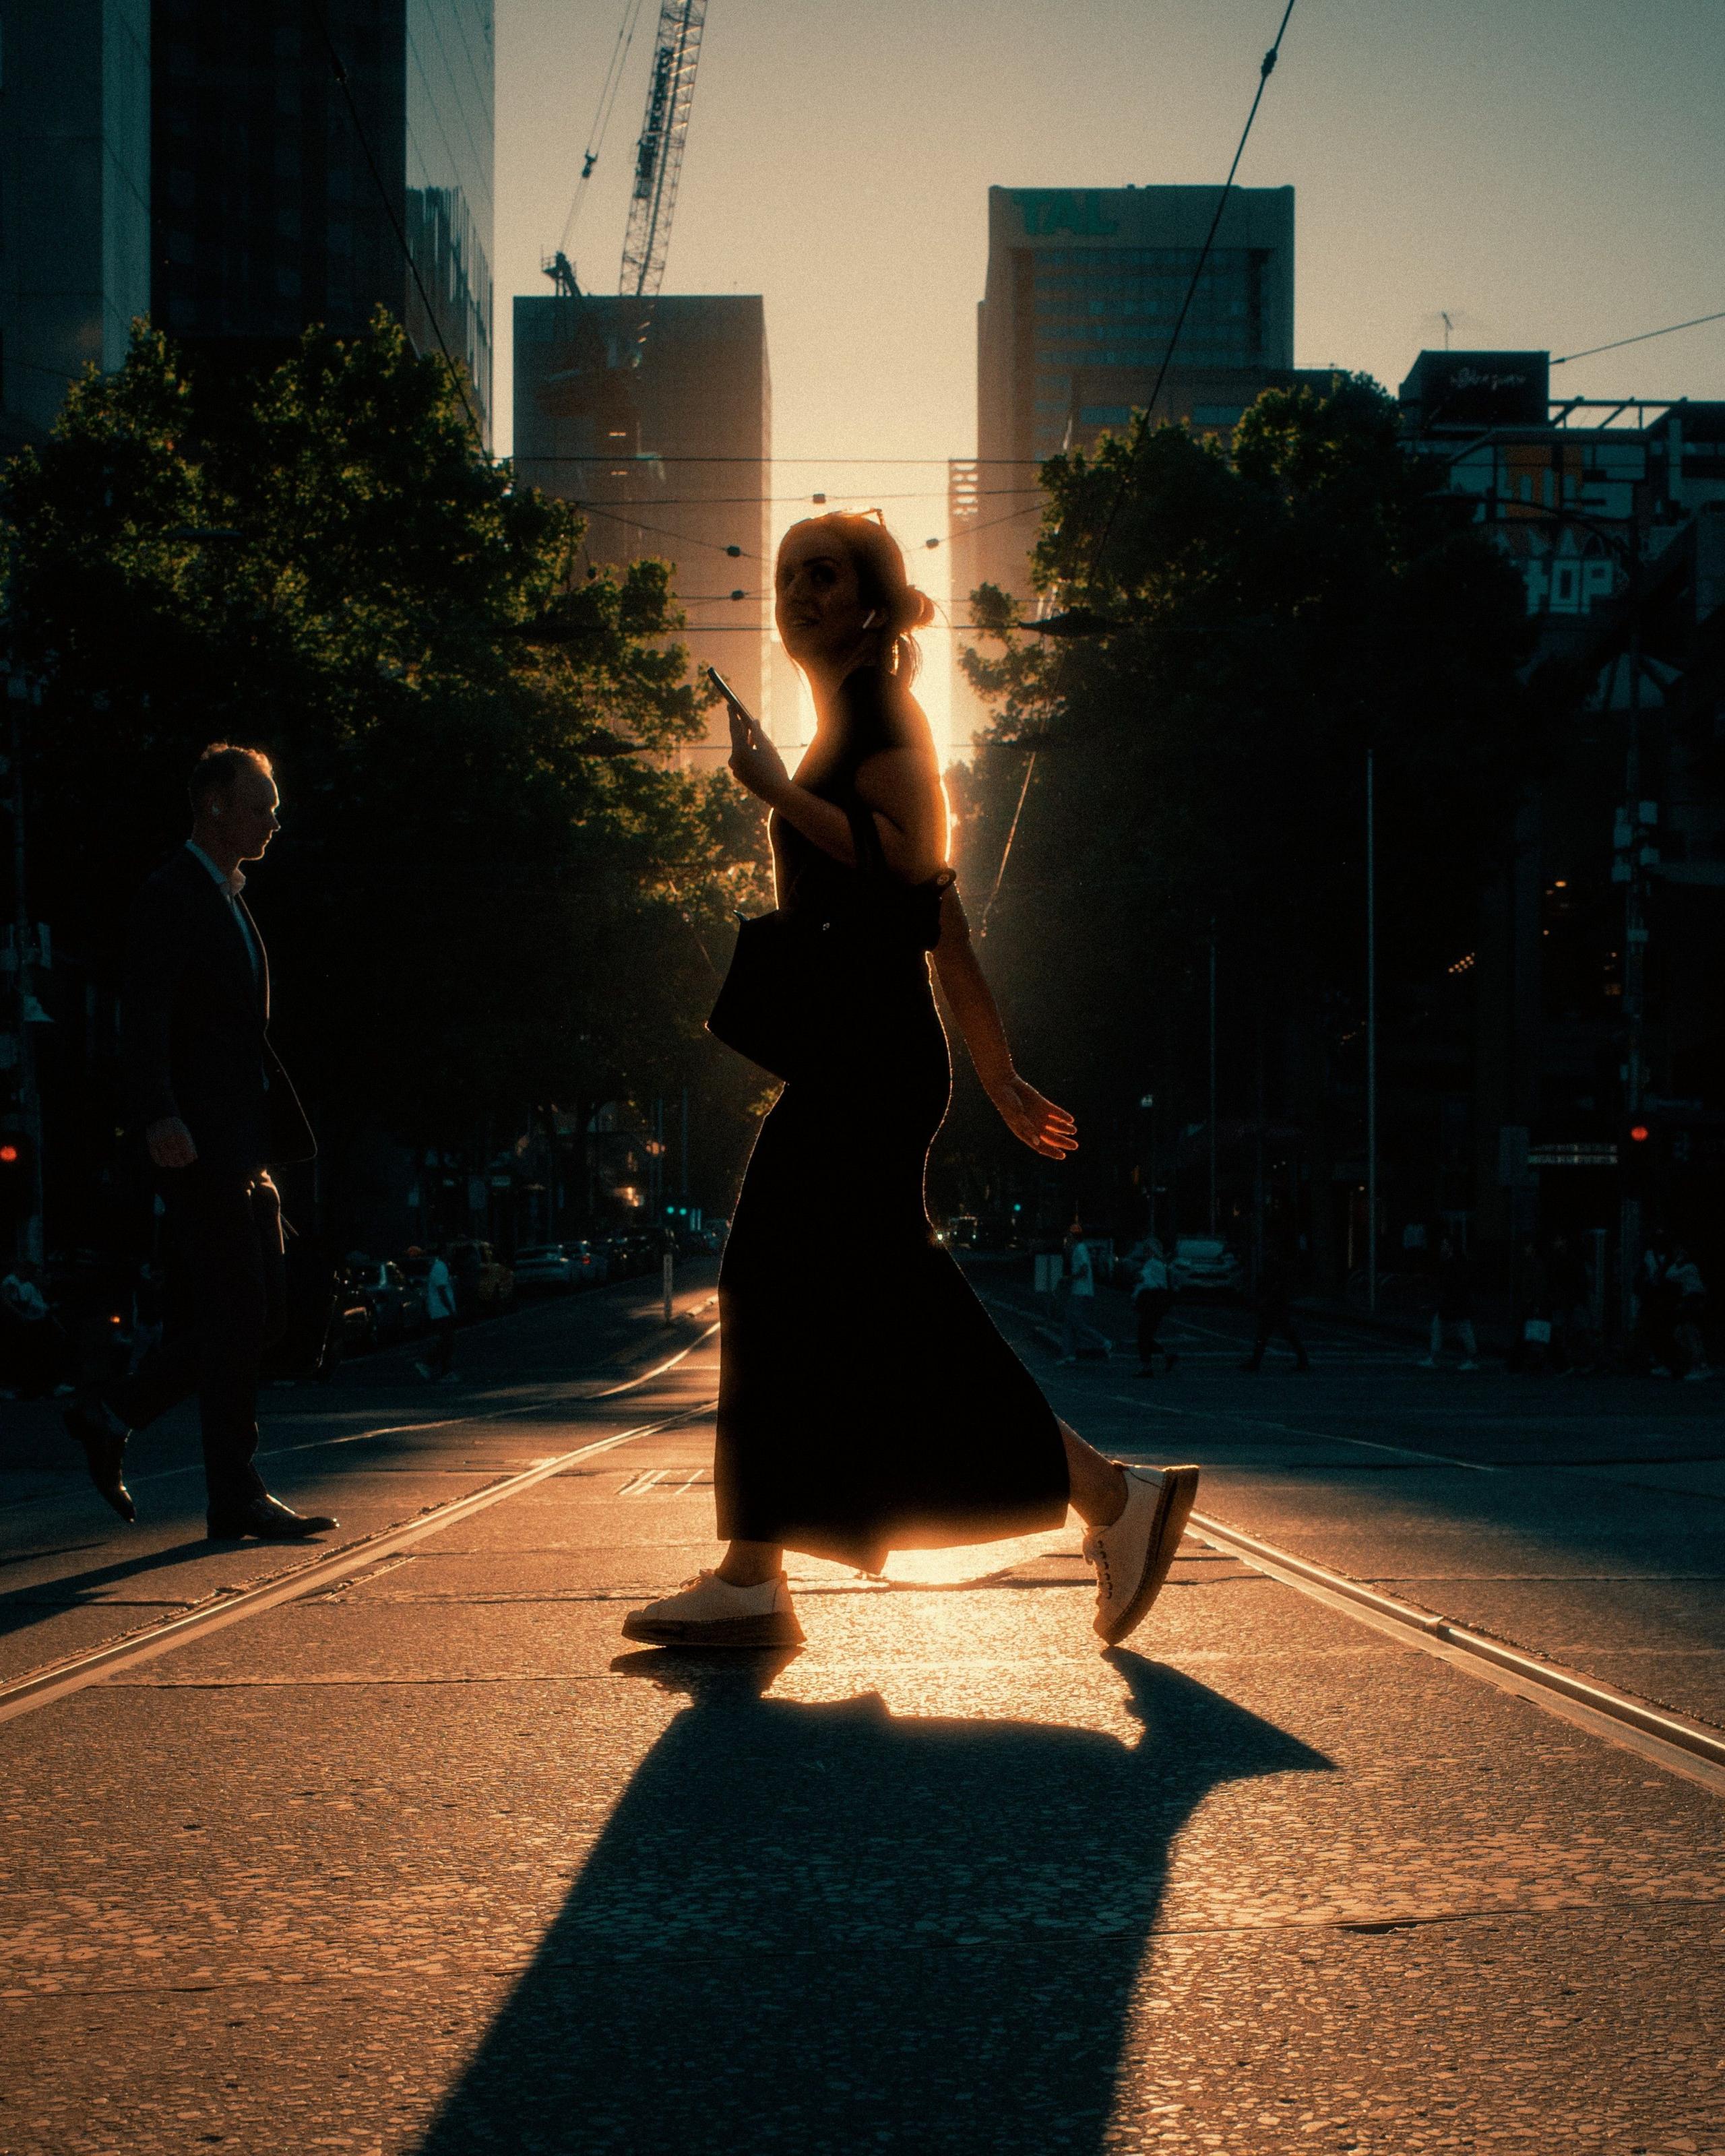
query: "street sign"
1583, 1152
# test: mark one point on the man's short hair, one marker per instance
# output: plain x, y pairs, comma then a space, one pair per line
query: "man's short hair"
216, 770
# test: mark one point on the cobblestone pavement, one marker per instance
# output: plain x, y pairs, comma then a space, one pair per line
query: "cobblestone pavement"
428, 1860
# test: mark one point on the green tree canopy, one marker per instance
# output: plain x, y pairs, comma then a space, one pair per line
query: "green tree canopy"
1259, 620
494, 887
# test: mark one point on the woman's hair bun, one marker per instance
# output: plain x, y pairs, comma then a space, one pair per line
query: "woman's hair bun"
918, 607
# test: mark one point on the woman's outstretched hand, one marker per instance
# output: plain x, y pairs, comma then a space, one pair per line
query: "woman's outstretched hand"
755, 763
1044, 1128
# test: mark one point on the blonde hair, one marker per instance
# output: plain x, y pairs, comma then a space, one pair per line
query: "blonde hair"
880, 564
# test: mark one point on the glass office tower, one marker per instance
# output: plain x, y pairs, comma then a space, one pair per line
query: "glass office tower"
74, 199
287, 196
1085, 287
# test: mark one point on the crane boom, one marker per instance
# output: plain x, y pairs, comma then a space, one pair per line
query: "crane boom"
659, 154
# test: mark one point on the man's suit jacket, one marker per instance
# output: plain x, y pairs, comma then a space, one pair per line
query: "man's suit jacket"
194, 1025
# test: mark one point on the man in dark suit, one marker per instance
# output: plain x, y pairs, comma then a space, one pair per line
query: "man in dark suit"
214, 1107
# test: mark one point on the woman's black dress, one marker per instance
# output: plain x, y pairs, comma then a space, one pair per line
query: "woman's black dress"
866, 1402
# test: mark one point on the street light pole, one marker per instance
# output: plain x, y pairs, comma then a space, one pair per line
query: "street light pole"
1634, 960
1371, 1037
20, 693
1214, 1215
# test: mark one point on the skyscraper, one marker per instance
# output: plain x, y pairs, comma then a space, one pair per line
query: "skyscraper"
1084, 289
312, 163
74, 199
665, 440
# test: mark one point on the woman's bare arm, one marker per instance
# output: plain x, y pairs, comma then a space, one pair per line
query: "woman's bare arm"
1027, 1114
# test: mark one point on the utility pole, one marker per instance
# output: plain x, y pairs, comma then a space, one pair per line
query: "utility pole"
1371, 1037
21, 694
1214, 1216
1629, 1226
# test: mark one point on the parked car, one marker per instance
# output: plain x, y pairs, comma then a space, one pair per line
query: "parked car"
1202, 1262
547, 1265
592, 1262
395, 1304
484, 1284
352, 1324
628, 1255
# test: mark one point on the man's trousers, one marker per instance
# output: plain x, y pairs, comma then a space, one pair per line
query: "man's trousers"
224, 1302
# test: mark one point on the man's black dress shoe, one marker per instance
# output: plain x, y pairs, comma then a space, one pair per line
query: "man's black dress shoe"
104, 1454
267, 1519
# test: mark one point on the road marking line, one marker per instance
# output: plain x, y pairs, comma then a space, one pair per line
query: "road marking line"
56, 1680
1293, 1430
412, 1429
1670, 1741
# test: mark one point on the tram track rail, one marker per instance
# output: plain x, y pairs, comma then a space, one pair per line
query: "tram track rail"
1671, 1741
1679, 1745
56, 1681
59, 1679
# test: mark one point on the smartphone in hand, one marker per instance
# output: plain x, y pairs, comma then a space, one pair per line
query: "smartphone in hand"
728, 693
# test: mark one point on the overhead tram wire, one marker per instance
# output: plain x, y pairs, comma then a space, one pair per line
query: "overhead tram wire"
1266, 68
338, 67
601, 117
1078, 621
1647, 336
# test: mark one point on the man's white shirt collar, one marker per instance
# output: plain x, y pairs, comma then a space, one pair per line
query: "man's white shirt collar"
232, 882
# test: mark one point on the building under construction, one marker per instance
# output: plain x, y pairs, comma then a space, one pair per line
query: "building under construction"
662, 436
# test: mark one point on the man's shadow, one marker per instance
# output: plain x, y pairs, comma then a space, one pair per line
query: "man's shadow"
830, 1928
22, 1607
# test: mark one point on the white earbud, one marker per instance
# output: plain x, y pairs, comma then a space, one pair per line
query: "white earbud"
869, 622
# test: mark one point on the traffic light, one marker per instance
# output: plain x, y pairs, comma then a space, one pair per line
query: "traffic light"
17, 1178
1637, 1154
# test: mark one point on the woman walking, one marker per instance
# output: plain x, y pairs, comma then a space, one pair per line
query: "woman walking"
867, 1403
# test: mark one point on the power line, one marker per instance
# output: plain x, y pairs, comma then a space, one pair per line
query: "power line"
602, 118
663, 531
1006, 850
830, 457
784, 501
1646, 336
1266, 69
401, 238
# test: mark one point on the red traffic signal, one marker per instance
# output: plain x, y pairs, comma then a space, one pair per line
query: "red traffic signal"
1639, 1133
8, 1154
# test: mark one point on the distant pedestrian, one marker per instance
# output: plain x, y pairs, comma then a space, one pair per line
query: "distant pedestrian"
1657, 1309
1530, 1348
1275, 1311
1153, 1299
1455, 1308
1573, 1347
35, 1346
1684, 1275
440, 1310
146, 1317
1077, 1292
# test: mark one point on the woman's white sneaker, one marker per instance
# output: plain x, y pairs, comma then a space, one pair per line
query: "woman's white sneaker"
1132, 1556
710, 1612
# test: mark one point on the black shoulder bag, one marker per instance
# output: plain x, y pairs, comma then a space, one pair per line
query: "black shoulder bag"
797, 971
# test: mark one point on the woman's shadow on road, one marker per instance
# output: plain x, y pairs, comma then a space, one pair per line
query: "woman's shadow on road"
831, 1928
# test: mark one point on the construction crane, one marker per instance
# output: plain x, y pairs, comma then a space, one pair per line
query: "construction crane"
658, 153
597, 381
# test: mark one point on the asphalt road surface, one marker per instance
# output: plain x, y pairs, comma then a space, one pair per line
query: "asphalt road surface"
408, 1851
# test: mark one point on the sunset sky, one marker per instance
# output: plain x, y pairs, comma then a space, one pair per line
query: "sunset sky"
1547, 170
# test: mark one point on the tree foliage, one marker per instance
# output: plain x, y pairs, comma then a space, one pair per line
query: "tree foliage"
1260, 620
494, 888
